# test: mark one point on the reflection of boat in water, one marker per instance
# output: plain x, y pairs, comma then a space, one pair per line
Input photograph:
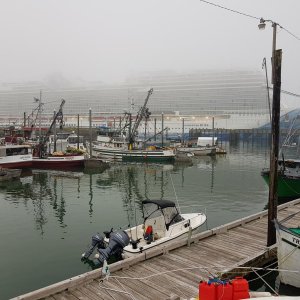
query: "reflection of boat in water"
8, 174
59, 173
15, 156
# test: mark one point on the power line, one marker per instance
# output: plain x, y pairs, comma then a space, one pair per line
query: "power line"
249, 16
232, 10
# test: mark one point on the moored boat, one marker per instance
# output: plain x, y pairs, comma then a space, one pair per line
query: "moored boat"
122, 144
288, 252
162, 223
15, 156
288, 183
197, 150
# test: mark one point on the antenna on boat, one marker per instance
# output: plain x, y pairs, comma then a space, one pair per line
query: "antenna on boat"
175, 194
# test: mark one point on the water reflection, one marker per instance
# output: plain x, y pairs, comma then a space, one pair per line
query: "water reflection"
59, 211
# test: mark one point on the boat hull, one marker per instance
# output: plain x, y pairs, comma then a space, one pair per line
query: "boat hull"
288, 252
58, 162
288, 187
134, 155
197, 151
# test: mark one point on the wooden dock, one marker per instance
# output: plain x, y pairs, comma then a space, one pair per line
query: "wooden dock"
177, 268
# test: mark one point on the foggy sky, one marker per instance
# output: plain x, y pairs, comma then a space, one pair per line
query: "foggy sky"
97, 40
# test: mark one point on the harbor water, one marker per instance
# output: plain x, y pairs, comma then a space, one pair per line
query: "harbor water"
47, 217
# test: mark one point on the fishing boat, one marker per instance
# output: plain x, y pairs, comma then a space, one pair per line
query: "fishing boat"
44, 159
288, 175
122, 144
162, 223
288, 179
288, 252
15, 156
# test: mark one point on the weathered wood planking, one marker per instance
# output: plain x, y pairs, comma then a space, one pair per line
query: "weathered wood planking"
176, 268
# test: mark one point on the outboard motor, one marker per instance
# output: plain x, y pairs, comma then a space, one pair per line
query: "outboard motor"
97, 241
117, 241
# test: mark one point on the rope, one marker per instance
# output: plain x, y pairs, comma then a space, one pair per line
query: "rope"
265, 282
175, 194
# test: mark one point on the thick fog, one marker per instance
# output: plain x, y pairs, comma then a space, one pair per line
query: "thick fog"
97, 40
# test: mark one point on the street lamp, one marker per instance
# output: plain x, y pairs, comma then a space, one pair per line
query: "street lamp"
262, 26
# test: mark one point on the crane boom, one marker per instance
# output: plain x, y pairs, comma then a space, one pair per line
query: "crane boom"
139, 118
41, 147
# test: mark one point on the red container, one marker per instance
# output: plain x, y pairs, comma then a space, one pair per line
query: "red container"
224, 291
240, 288
207, 291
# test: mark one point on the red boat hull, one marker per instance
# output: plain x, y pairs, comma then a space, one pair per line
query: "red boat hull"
64, 162
17, 165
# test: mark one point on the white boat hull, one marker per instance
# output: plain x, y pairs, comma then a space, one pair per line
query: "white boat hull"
128, 155
197, 151
288, 253
176, 231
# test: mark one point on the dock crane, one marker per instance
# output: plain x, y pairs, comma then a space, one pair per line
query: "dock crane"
41, 147
143, 112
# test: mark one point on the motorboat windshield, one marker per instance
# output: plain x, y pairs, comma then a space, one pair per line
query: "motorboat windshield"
165, 208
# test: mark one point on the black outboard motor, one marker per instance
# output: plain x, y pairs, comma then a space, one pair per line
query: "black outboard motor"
117, 241
97, 241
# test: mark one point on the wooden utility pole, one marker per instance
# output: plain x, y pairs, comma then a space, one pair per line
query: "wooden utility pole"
275, 129
155, 129
91, 133
78, 131
162, 130
182, 138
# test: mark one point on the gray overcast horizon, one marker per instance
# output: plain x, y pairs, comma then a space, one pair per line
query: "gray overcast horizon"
97, 40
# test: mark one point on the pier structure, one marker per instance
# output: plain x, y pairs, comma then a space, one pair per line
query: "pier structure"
173, 271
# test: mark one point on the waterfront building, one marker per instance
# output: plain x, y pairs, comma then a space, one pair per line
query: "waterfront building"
236, 99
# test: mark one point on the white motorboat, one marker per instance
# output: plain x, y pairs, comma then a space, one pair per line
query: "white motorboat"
288, 252
162, 223
197, 150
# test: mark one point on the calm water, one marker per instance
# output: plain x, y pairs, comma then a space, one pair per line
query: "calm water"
48, 217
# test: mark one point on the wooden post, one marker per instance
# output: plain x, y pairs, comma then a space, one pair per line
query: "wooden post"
162, 130
182, 139
78, 131
24, 118
273, 195
155, 129
90, 125
213, 132
54, 135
